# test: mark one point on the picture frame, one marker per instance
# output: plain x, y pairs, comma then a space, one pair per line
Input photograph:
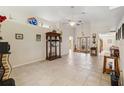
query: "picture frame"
120, 33
111, 64
116, 36
38, 37
19, 36
123, 31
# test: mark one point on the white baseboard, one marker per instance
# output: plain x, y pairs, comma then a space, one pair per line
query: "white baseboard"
33, 61
30, 62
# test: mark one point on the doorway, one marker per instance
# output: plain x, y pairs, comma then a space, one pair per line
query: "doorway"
106, 40
71, 47
83, 44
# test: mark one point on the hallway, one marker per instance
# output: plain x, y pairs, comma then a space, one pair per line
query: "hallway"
28, 41
76, 69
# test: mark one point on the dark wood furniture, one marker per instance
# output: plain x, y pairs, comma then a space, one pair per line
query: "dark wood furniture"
93, 51
110, 66
8, 82
5, 67
114, 51
53, 45
83, 45
5, 70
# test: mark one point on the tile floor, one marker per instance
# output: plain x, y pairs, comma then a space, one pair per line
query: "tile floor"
75, 69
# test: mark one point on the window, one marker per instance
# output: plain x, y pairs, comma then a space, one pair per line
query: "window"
45, 26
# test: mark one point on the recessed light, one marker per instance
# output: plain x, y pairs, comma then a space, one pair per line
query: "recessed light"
79, 21
72, 6
83, 12
72, 23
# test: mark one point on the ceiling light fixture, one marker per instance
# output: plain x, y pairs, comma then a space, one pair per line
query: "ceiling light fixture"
72, 23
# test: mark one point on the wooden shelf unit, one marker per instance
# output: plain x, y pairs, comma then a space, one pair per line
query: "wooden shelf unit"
52, 50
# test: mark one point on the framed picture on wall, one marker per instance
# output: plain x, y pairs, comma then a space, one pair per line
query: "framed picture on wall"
116, 36
38, 37
119, 33
19, 36
122, 31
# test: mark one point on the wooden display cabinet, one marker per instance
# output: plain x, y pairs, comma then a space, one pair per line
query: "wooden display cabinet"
53, 45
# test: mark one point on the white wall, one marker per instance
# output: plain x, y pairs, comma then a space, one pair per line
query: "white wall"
29, 50
82, 29
66, 32
120, 44
106, 38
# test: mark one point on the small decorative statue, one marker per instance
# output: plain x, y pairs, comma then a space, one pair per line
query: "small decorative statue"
32, 21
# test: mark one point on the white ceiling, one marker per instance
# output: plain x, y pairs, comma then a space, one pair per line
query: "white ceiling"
100, 15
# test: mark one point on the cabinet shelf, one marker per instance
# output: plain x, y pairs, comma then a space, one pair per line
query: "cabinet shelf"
53, 51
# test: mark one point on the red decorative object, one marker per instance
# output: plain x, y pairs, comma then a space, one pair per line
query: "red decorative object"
2, 18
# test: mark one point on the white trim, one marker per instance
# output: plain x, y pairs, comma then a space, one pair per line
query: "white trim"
26, 63
37, 60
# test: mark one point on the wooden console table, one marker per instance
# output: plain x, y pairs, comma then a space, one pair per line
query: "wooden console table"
113, 66
114, 52
93, 51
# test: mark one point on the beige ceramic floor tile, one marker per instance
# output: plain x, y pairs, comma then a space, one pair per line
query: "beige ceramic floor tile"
74, 69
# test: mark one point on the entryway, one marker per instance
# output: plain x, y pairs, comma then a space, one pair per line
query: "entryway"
83, 44
106, 40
